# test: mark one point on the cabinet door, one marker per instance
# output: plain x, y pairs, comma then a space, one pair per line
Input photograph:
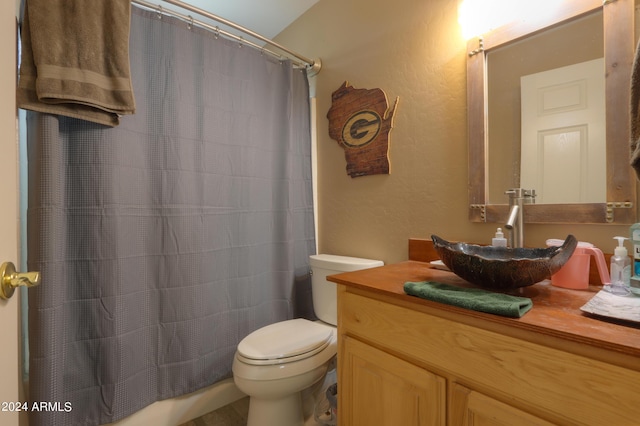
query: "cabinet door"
379, 389
472, 408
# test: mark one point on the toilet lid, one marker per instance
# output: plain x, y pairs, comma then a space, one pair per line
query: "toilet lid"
285, 341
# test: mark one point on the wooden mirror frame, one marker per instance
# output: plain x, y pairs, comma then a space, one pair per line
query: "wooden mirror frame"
619, 44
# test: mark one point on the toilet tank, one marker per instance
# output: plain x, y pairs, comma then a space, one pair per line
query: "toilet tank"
323, 292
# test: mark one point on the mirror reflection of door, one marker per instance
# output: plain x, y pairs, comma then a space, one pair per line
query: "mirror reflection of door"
563, 134
573, 42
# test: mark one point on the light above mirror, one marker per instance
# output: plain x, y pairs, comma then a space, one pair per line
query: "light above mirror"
477, 17
616, 195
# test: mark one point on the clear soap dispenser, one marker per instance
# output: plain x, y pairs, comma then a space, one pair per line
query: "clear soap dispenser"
620, 269
499, 240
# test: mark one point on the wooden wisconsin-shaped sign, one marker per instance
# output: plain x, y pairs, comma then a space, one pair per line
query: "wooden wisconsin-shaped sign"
360, 121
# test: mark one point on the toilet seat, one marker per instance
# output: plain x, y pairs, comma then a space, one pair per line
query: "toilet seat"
284, 342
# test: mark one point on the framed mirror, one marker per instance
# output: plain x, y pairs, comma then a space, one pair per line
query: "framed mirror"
548, 110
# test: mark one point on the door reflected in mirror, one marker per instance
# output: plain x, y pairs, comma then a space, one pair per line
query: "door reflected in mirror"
546, 117
563, 147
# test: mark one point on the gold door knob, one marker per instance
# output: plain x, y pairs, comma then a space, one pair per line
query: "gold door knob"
10, 279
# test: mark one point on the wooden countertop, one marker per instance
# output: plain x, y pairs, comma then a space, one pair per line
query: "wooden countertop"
555, 319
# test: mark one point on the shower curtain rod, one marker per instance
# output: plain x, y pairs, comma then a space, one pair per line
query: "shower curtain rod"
312, 65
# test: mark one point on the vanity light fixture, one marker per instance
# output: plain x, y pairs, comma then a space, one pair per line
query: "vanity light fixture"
481, 16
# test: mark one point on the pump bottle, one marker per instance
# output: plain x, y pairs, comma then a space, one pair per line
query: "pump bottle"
499, 240
620, 269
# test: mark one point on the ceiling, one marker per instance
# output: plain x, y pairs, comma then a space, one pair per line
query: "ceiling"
265, 17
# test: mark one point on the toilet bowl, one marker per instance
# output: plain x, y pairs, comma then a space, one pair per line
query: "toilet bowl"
272, 366
276, 363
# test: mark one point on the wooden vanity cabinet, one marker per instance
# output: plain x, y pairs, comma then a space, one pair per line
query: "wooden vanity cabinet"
472, 408
411, 363
386, 390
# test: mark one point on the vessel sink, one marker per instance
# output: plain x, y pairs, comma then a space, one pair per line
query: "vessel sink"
503, 268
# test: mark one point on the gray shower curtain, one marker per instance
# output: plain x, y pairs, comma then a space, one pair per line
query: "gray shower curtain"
164, 241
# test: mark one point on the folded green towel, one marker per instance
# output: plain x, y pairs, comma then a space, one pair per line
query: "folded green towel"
470, 298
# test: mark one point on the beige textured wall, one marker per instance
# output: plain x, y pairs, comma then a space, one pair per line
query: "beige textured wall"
411, 49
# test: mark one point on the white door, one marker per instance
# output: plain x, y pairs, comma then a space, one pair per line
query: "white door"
9, 216
563, 147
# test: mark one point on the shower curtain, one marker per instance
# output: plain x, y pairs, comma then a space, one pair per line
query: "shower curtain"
164, 241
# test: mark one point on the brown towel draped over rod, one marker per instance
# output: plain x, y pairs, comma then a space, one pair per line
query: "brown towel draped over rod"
635, 113
75, 59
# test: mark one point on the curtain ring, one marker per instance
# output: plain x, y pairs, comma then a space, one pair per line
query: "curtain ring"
216, 32
190, 24
241, 42
159, 12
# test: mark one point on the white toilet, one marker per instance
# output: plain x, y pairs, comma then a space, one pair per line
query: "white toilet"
274, 364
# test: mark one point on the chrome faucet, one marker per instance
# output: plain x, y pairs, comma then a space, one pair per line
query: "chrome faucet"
518, 197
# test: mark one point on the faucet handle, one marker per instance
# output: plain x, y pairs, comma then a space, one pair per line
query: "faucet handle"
529, 196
